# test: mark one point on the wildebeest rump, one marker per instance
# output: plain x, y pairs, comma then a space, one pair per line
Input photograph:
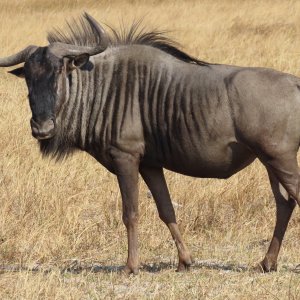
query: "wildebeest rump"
138, 104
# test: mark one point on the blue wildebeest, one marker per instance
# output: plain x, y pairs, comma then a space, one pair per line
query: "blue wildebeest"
138, 104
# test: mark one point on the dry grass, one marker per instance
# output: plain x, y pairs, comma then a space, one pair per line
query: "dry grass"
54, 214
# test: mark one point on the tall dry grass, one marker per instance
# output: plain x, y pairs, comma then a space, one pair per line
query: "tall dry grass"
56, 215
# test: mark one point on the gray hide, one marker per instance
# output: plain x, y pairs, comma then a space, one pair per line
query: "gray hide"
143, 105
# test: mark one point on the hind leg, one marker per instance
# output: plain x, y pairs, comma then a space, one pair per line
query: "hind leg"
285, 169
284, 179
284, 208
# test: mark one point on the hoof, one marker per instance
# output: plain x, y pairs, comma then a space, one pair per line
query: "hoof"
131, 270
184, 265
264, 267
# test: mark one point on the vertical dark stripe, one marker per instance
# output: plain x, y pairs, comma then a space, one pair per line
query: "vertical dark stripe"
154, 105
107, 111
93, 97
83, 108
107, 75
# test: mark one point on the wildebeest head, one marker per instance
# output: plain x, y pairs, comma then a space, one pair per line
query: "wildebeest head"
46, 70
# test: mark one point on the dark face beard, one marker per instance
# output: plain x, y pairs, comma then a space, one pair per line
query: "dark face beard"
56, 147
49, 147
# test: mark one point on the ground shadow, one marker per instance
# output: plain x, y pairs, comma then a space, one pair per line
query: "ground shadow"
77, 267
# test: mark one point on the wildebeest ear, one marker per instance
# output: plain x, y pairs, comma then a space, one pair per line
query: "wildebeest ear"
80, 60
77, 61
18, 72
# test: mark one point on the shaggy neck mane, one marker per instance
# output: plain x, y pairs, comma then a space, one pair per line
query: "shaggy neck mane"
83, 32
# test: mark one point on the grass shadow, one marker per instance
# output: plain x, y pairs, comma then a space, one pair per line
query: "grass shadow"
77, 267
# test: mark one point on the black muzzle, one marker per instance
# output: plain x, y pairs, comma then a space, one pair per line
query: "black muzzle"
43, 130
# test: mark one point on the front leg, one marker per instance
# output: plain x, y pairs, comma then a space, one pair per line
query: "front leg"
155, 180
126, 167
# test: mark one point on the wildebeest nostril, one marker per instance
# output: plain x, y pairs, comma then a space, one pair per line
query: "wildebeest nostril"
42, 130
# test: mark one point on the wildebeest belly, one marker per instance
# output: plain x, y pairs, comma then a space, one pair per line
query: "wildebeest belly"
210, 161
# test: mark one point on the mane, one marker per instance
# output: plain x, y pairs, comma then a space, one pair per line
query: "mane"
84, 32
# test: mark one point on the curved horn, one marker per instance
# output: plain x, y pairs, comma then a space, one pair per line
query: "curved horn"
62, 50
18, 57
95, 26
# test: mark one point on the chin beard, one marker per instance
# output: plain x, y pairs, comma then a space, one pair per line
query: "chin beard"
56, 147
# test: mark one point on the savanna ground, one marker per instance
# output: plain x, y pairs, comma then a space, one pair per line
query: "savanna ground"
66, 218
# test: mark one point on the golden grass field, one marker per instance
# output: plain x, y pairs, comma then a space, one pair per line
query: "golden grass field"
66, 218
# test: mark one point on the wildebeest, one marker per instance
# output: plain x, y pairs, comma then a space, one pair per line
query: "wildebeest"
138, 104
